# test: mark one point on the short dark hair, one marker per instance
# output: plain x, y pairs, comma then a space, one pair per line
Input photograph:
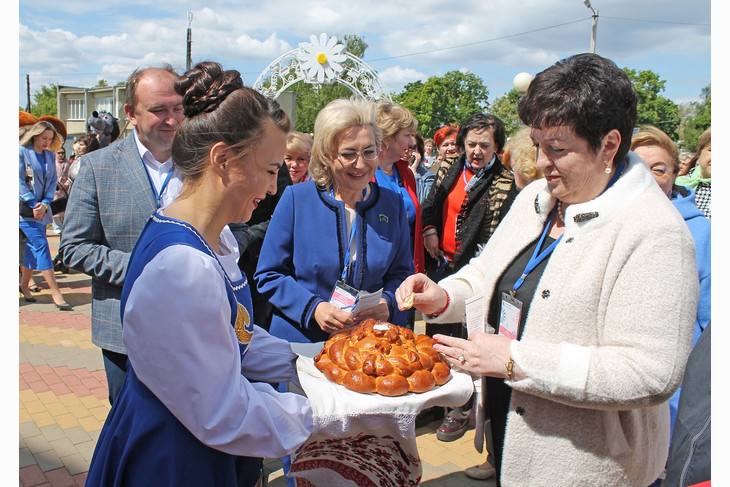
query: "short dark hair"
586, 92
133, 81
478, 121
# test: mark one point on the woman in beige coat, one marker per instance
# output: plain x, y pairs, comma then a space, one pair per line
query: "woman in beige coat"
590, 283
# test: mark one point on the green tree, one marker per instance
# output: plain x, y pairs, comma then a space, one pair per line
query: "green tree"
355, 45
45, 102
101, 84
697, 120
653, 108
441, 100
311, 99
505, 107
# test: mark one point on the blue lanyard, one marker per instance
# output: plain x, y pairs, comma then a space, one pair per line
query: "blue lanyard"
463, 174
537, 258
353, 231
158, 196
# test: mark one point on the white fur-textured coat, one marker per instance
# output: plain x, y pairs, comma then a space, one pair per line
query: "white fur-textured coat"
607, 335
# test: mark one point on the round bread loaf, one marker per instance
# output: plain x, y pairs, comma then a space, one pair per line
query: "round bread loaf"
383, 358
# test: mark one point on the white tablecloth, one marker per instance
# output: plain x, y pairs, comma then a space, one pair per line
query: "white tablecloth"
349, 427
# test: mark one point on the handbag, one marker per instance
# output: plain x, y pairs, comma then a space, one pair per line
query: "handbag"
58, 205
25, 210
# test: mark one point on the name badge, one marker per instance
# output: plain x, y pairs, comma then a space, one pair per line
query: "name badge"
509, 316
344, 296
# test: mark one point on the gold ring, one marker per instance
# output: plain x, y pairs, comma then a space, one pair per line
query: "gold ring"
461, 358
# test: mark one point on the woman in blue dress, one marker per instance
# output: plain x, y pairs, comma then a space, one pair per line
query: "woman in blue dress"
197, 407
37, 173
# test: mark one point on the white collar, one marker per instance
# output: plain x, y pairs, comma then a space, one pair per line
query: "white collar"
147, 156
635, 179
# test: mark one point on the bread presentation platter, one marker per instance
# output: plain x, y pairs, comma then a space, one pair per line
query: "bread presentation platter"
339, 410
369, 438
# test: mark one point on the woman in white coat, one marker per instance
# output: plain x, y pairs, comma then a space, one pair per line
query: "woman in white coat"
590, 283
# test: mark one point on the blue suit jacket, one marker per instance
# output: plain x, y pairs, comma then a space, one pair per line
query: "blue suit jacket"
110, 202
44, 188
304, 252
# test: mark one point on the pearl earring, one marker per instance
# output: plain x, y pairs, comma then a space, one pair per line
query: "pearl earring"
608, 169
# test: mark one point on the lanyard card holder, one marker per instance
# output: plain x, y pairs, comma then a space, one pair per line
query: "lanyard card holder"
344, 296
509, 316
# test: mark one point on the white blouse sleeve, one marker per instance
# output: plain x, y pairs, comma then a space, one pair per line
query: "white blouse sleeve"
269, 359
182, 346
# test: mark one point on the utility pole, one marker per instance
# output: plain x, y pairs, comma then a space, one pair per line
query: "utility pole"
594, 28
27, 87
190, 41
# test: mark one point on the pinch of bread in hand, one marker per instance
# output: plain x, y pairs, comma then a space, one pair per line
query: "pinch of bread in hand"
408, 302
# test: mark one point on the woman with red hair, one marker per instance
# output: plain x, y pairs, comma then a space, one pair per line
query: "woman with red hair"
445, 139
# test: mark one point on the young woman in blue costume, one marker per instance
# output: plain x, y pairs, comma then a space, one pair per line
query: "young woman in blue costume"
196, 407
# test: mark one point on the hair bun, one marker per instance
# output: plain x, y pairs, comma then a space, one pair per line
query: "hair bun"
205, 87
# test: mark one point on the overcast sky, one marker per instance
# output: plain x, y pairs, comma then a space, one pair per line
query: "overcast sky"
77, 43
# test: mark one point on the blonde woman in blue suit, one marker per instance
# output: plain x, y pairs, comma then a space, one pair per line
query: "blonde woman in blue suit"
37, 173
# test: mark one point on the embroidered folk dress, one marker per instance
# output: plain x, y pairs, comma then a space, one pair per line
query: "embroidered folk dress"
188, 413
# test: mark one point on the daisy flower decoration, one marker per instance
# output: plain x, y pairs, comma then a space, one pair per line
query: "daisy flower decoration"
321, 57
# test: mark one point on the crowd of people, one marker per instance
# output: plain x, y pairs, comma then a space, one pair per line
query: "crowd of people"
216, 236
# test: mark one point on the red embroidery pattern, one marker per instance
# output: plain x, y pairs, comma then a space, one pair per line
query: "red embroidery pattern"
367, 460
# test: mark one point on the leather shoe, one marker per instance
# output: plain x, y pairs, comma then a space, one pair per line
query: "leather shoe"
34, 288
452, 428
481, 472
63, 307
30, 300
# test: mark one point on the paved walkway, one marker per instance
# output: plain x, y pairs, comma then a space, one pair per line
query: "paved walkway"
63, 398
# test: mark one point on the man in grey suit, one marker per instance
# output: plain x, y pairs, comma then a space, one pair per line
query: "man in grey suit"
113, 196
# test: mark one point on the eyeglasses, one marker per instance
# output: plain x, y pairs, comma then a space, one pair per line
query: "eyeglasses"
350, 156
661, 169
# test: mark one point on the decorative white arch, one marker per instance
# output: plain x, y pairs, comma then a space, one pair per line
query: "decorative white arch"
318, 62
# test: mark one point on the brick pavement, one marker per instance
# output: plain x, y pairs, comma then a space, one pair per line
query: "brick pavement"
63, 398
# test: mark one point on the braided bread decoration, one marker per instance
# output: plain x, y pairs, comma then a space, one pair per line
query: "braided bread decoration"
377, 356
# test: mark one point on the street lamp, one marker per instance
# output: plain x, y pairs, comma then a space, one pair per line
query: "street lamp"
521, 82
594, 29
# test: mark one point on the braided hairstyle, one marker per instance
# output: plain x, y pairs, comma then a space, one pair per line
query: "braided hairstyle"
218, 108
